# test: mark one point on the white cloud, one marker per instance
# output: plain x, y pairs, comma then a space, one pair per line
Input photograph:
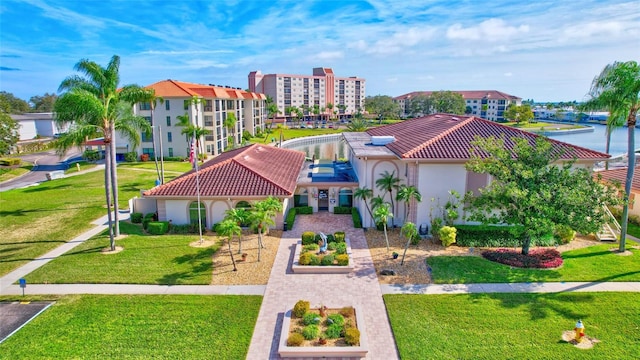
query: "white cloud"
201, 64
399, 41
329, 55
488, 30
508, 74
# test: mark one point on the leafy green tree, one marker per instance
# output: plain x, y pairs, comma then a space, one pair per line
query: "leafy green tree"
262, 217
409, 230
229, 228
43, 103
519, 113
619, 85
240, 216
533, 192
468, 110
420, 105
447, 102
230, 124
364, 193
382, 213
329, 107
382, 106
387, 182
316, 112
149, 96
90, 102
9, 133
272, 112
341, 110
407, 194
12, 105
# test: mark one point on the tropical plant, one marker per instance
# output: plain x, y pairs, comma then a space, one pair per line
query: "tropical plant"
272, 112
387, 182
262, 217
450, 211
9, 133
149, 96
90, 103
230, 124
409, 230
357, 125
229, 228
619, 85
280, 128
382, 215
407, 194
240, 216
364, 193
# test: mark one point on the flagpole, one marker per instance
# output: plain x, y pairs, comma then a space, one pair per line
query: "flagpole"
195, 164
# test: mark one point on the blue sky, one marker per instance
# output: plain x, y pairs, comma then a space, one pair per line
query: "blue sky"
545, 50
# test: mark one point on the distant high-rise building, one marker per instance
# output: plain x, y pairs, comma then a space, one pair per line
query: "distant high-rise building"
487, 104
304, 91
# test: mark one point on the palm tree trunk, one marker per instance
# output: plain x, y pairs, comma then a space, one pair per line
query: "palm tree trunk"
386, 238
107, 166
606, 148
526, 243
393, 209
631, 156
259, 243
233, 261
114, 180
368, 209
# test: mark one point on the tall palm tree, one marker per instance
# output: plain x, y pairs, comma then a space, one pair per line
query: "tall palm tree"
229, 228
90, 100
382, 215
329, 107
230, 124
263, 213
364, 193
409, 230
619, 83
387, 182
316, 113
240, 216
280, 129
407, 194
272, 112
290, 111
149, 96
189, 129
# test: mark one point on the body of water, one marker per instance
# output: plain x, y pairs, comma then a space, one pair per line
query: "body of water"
597, 140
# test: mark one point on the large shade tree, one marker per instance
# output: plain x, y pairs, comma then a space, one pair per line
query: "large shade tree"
90, 102
618, 85
9, 133
533, 190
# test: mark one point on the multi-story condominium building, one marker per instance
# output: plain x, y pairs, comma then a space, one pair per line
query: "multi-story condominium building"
206, 106
487, 104
346, 94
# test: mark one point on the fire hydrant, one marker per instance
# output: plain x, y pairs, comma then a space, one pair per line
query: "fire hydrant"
579, 329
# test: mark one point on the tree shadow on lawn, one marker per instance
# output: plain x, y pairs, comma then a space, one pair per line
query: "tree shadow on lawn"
199, 267
46, 187
541, 305
566, 256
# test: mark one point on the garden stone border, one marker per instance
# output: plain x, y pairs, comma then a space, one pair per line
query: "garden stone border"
318, 269
323, 351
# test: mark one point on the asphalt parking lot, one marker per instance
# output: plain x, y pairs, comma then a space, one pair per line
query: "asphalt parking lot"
13, 315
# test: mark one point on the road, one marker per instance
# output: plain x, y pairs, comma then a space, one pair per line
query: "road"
44, 162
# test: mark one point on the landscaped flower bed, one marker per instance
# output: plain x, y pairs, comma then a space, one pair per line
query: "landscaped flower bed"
336, 259
322, 332
538, 258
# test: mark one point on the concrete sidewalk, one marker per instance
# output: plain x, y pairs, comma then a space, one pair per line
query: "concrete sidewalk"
134, 289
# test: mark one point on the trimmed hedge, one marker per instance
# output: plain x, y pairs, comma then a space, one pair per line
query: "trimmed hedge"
304, 210
158, 227
308, 237
147, 219
495, 236
184, 229
10, 161
136, 218
342, 210
357, 220
291, 218
339, 236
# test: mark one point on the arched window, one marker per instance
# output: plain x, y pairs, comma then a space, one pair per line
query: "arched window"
243, 205
345, 198
193, 214
301, 199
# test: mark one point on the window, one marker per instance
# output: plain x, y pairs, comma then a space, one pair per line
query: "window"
170, 152
169, 137
243, 205
208, 106
148, 151
195, 210
302, 199
168, 120
144, 136
145, 106
186, 104
345, 198
166, 105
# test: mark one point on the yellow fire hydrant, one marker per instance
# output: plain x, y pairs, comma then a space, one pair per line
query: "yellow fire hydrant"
579, 329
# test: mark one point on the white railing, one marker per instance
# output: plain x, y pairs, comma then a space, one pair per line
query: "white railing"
310, 140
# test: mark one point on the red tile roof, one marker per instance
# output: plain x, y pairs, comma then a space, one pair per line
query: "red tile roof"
449, 137
620, 176
174, 88
466, 94
254, 170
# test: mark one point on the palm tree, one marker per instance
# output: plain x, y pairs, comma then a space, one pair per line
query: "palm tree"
364, 193
407, 194
280, 128
387, 183
90, 101
299, 113
272, 112
262, 216
382, 215
329, 107
357, 125
229, 228
240, 216
290, 110
409, 230
316, 113
341, 108
619, 84
189, 129
149, 96
230, 124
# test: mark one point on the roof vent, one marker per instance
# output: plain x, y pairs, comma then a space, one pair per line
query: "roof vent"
455, 119
382, 140
246, 157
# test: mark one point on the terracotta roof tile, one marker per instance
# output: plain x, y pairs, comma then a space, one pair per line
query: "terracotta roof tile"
449, 137
174, 88
466, 94
254, 170
620, 175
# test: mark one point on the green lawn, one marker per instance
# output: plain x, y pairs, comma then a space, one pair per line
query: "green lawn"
138, 327
542, 126
84, 165
169, 166
514, 326
289, 134
158, 260
595, 263
37, 219
7, 174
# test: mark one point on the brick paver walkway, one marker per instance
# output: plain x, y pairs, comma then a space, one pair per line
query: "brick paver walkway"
359, 288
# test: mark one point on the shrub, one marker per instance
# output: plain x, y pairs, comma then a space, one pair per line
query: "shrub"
10, 161
537, 258
436, 225
330, 238
348, 311
308, 237
342, 259
147, 219
130, 156
333, 331
144, 157
184, 229
496, 236
415, 240
357, 220
305, 258
447, 235
317, 238
304, 210
300, 308
91, 155
136, 218
295, 339
310, 247
311, 318
339, 236
158, 227
291, 218
352, 336
327, 260
341, 248
311, 332
331, 246
315, 260
564, 234
336, 318
342, 210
